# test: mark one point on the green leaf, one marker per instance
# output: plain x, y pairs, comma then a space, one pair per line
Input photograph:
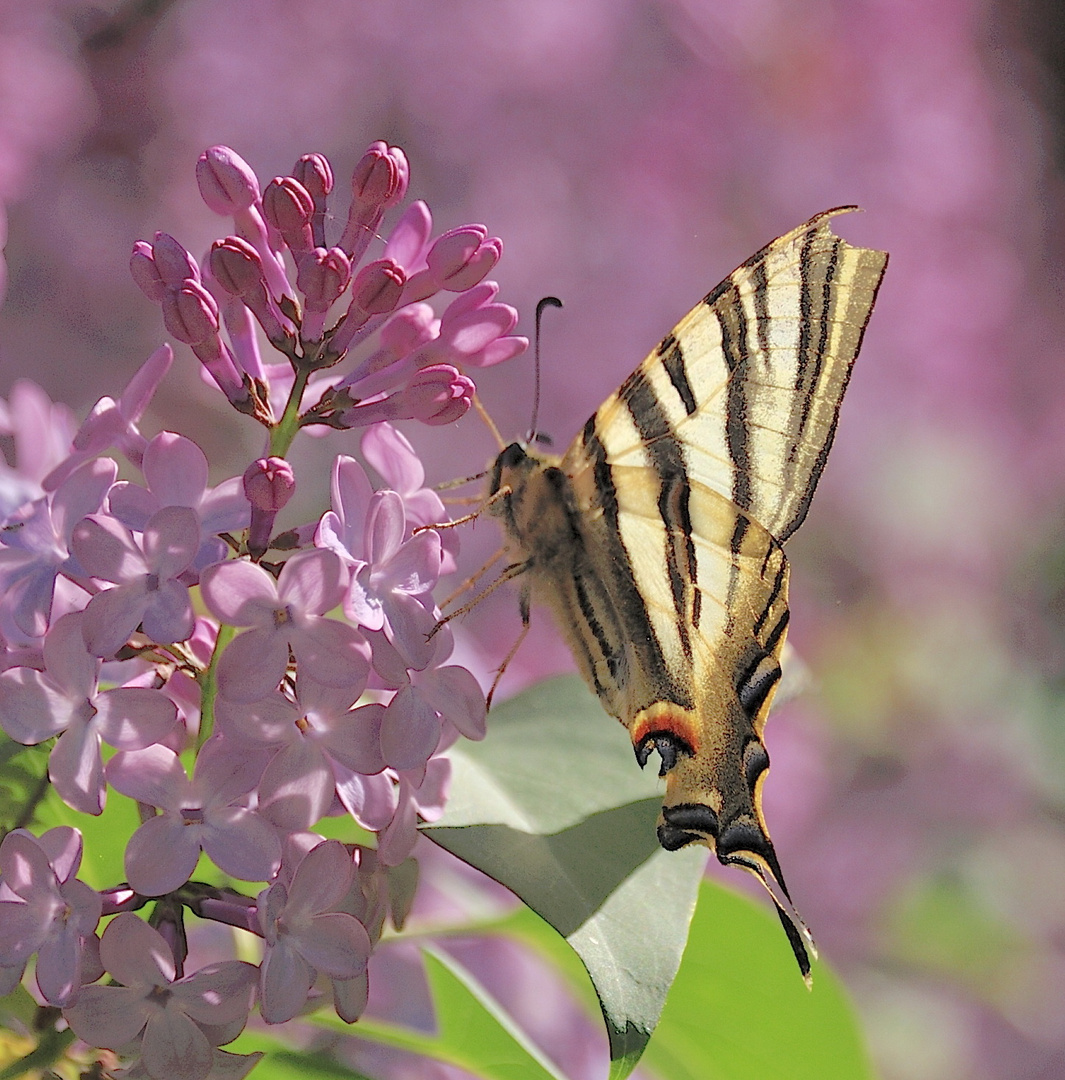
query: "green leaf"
23, 782
739, 1011
552, 805
473, 1031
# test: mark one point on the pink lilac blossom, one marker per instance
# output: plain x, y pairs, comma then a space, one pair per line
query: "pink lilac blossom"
175, 474
37, 548
177, 1022
269, 681
146, 589
202, 813
64, 700
45, 909
286, 615
304, 934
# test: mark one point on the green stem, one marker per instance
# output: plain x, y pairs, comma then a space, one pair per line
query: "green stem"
209, 685
285, 431
46, 1053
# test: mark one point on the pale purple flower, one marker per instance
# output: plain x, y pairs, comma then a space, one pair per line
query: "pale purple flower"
42, 433
286, 614
114, 424
175, 471
389, 451
304, 935
51, 912
179, 1022
147, 588
37, 547
422, 793
316, 735
392, 576
425, 714
63, 700
205, 813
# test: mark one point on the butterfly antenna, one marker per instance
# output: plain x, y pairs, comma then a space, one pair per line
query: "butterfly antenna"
545, 302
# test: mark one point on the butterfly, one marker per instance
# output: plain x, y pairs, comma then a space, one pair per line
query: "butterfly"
657, 538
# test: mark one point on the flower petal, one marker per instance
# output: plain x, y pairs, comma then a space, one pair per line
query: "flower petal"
107, 1016
133, 717
162, 855
174, 1048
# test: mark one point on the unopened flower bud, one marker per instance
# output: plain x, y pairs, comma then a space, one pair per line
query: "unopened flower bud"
288, 207
380, 178
191, 313
379, 181
315, 173
236, 266
375, 290
269, 484
145, 272
172, 262
226, 181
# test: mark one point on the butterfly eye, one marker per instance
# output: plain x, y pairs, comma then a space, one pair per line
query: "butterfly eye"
668, 745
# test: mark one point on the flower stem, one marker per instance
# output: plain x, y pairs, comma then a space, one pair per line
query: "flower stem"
285, 431
209, 685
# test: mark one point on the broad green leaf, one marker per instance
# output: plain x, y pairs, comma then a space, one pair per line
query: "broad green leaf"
473, 1031
552, 805
23, 779
738, 1009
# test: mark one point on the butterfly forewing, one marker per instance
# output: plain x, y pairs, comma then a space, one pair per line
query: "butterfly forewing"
657, 538
748, 384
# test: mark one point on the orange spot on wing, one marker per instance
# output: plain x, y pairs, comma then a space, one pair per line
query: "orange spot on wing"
665, 716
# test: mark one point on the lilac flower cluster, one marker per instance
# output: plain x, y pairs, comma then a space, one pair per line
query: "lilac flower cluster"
314, 685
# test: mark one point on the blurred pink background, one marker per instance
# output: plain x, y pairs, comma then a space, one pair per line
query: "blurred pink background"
631, 153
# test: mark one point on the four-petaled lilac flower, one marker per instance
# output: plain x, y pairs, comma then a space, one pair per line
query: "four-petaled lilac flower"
284, 615
175, 470
114, 424
391, 576
147, 589
314, 738
202, 813
179, 1021
304, 935
52, 913
37, 546
36, 705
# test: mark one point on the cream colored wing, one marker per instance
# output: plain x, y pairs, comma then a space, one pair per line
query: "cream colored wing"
744, 394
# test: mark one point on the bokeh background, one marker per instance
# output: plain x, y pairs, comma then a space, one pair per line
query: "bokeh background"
631, 153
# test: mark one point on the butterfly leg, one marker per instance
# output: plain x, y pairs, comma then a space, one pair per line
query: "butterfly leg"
502, 493
508, 573
523, 606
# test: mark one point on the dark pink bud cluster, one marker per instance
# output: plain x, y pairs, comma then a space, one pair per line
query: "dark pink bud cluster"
169, 275
319, 302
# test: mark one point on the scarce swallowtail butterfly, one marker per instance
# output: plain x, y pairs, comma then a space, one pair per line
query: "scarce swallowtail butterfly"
657, 537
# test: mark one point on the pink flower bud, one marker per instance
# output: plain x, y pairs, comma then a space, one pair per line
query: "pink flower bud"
410, 329
322, 276
380, 178
190, 313
269, 483
145, 272
237, 266
378, 286
314, 172
226, 181
172, 262
438, 395
288, 207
